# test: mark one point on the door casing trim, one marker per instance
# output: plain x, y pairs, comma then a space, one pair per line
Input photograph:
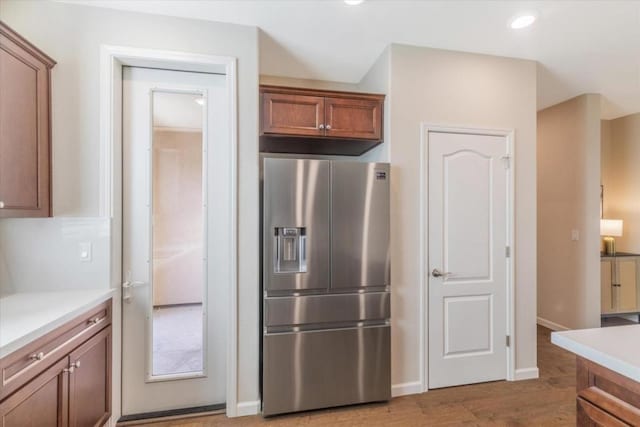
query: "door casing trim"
423, 253
112, 59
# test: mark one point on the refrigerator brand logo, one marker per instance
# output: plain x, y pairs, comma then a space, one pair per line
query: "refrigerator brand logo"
381, 175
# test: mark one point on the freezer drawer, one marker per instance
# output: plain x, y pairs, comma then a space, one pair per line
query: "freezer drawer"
323, 309
359, 225
296, 225
320, 369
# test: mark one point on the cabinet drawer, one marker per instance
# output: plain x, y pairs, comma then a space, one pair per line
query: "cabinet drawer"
591, 416
21, 366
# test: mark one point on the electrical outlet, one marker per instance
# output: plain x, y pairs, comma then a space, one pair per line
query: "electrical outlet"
575, 235
84, 249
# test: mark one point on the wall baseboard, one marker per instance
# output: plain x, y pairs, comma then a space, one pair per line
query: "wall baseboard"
404, 389
250, 407
551, 325
527, 374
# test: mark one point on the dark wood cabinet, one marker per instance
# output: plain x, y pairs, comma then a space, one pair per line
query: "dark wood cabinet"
25, 127
605, 398
90, 382
353, 118
293, 114
41, 403
310, 121
62, 379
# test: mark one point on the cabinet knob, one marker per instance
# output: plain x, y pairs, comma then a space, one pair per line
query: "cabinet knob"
320, 126
1, 204
328, 127
37, 356
72, 367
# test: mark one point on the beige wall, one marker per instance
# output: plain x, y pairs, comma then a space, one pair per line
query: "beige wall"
307, 83
620, 177
569, 199
72, 35
177, 218
378, 80
457, 89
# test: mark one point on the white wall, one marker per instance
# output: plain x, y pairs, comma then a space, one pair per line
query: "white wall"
457, 89
569, 199
44, 254
72, 35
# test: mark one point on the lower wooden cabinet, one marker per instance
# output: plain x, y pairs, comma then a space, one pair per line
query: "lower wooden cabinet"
605, 398
90, 382
41, 403
75, 391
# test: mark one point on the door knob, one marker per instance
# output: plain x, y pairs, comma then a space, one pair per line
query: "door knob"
127, 286
438, 273
328, 127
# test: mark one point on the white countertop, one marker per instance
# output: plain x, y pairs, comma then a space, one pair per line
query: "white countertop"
27, 316
616, 348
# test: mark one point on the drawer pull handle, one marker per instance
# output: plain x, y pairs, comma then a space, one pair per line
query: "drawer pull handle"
37, 356
95, 320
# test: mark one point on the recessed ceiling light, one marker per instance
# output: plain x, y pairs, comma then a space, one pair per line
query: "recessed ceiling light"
523, 21
353, 2
199, 101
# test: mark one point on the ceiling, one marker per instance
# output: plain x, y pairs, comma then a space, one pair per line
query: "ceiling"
582, 46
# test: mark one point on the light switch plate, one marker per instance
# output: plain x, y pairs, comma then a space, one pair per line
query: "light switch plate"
575, 235
84, 249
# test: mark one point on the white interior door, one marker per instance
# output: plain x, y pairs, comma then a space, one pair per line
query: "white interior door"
175, 259
468, 225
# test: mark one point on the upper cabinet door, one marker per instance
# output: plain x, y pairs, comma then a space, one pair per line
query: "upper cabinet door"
289, 114
353, 118
24, 128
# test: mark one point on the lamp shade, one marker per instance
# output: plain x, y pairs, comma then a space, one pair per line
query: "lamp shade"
611, 227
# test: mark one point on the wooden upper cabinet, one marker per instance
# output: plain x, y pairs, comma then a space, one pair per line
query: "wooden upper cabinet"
312, 121
292, 114
353, 118
25, 122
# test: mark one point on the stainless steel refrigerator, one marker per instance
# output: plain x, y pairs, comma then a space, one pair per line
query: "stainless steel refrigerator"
326, 278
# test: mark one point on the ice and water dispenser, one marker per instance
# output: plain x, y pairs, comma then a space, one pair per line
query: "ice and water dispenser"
290, 250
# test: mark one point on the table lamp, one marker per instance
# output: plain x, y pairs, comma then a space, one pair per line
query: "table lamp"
610, 228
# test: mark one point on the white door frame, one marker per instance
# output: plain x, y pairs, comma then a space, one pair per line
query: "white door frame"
425, 129
112, 59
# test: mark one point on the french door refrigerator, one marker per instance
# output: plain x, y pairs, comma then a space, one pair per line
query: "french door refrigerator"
326, 278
